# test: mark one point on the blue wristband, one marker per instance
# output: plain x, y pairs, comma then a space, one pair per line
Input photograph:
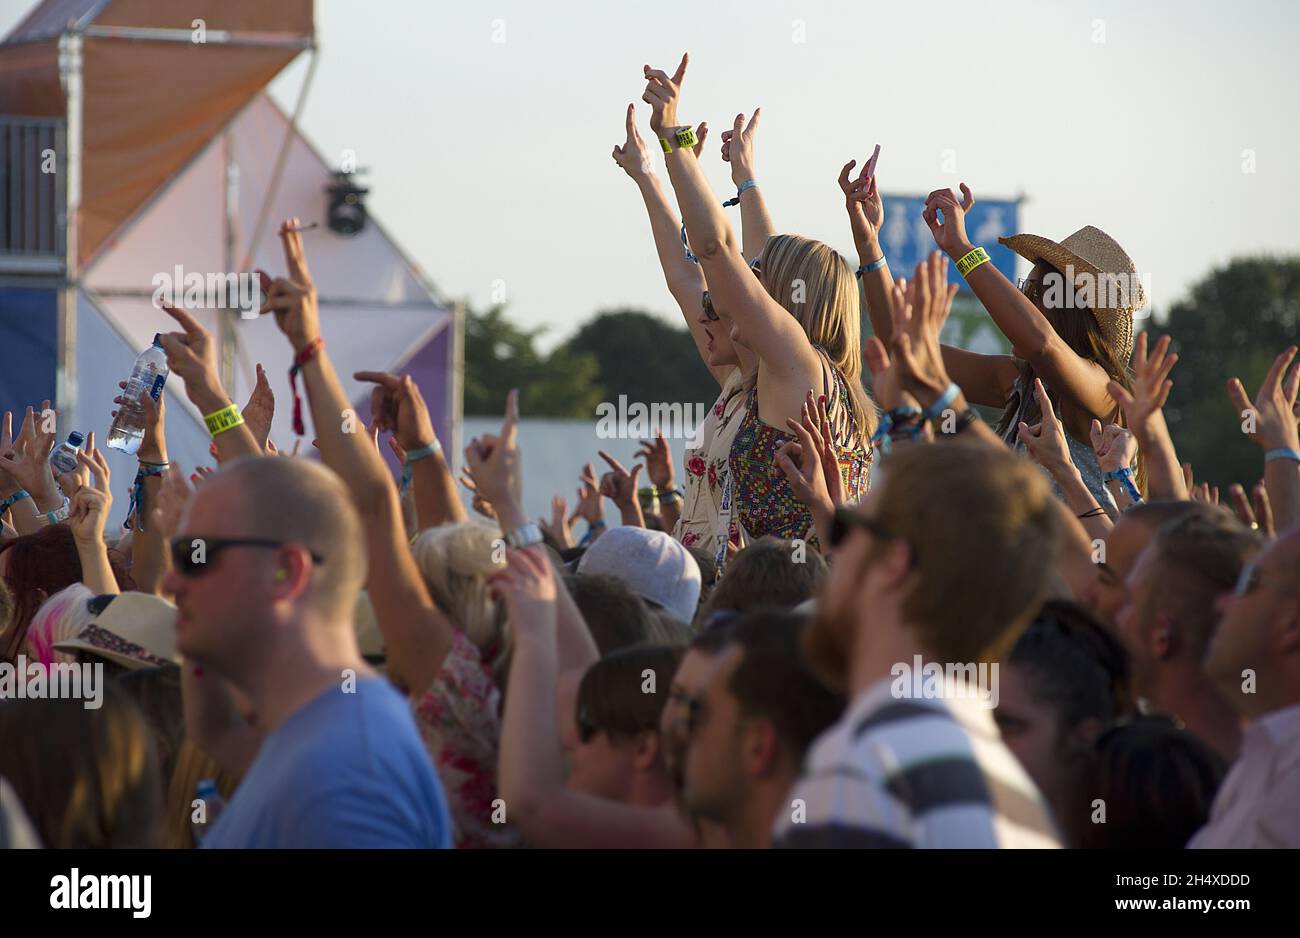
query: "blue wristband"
1283, 452
743, 188
12, 500
868, 268
935, 410
1125, 476
424, 452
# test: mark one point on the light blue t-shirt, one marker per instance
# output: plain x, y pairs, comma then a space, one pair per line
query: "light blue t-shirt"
346, 770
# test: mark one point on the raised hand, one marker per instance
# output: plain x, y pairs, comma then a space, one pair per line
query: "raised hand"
588, 506
396, 405
619, 485
495, 464
481, 504
1115, 446
27, 460
662, 93
192, 356
658, 456
558, 526
153, 446
1257, 516
1045, 441
738, 146
93, 501
919, 311
529, 592
1274, 405
862, 199
71, 482
1151, 385
259, 412
293, 298
950, 233
633, 157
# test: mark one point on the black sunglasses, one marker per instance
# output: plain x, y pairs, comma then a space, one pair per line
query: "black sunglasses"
845, 520
184, 548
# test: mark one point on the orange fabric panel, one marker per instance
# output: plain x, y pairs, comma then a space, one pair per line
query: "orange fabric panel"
150, 107
281, 16
29, 80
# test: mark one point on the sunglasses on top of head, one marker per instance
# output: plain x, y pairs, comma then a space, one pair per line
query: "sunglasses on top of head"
193, 556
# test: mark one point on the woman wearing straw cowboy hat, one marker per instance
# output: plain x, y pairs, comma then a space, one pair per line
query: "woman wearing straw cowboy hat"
1071, 326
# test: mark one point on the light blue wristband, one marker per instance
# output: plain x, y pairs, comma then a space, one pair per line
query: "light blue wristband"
740, 190
424, 452
935, 410
869, 268
12, 500
1283, 452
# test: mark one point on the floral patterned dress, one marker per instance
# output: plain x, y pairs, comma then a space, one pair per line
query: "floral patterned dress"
765, 502
459, 719
705, 506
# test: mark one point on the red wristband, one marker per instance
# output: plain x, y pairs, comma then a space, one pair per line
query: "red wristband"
303, 357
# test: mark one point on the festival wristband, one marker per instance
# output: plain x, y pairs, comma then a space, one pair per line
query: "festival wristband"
740, 190
1284, 452
685, 138
869, 268
666, 494
308, 352
424, 452
935, 410
12, 500
1125, 477
61, 513
972, 260
225, 419
136, 504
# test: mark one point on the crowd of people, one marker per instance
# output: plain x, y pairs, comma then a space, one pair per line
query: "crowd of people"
866, 618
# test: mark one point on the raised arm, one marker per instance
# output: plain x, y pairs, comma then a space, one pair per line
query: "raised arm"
866, 216
756, 224
658, 456
89, 512
1047, 446
418, 636
530, 771
25, 468
1116, 449
1028, 330
768, 329
397, 405
149, 558
1146, 419
192, 356
1276, 433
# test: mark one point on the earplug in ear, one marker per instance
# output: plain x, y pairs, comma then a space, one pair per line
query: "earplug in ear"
281, 575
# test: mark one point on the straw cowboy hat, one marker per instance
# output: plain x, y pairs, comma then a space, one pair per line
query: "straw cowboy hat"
1092, 252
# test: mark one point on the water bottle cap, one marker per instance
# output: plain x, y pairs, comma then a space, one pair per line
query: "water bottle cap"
157, 339
75, 438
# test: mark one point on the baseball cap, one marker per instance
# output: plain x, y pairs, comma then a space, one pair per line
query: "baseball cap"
657, 568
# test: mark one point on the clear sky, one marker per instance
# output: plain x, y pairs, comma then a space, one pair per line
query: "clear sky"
489, 160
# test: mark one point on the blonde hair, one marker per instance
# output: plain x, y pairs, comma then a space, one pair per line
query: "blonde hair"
456, 561
192, 765
816, 285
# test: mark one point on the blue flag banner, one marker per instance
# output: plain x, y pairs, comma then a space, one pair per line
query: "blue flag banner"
906, 238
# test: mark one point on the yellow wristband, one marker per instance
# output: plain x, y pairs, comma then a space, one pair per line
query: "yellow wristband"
972, 260
685, 137
225, 419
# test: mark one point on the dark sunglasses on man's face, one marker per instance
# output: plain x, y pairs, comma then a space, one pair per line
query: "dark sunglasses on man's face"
845, 520
192, 556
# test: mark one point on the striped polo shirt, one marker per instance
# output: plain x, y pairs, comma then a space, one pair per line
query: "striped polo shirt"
914, 773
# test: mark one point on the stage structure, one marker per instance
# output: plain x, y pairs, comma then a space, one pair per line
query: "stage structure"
138, 142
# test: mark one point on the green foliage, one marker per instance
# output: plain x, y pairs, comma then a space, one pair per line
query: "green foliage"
617, 352
500, 356
645, 358
1233, 325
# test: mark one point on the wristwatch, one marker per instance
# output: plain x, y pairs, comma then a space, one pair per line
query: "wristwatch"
684, 136
524, 536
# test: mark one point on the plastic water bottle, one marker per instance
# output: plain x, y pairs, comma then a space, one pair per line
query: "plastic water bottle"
64, 458
149, 374
213, 804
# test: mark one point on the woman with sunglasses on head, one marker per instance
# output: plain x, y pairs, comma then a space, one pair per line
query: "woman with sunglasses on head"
799, 316
701, 521
1071, 325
